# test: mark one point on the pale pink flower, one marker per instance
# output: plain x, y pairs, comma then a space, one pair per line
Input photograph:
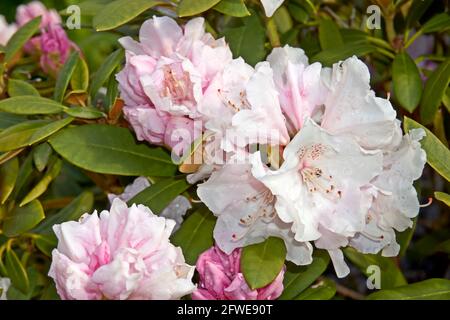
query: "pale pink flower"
6, 30
34, 9
56, 48
165, 77
176, 209
221, 279
124, 253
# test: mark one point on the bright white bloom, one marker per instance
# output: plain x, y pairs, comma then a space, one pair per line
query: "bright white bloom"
395, 199
175, 210
270, 6
6, 30
246, 212
4, 286
318, 188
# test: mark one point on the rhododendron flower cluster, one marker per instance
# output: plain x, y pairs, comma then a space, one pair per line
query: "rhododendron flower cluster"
221, 279
52, 45
123, 253
338, 171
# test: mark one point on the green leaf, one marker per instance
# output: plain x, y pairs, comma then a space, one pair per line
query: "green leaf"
29, 133
30, 105
85, 113
72, 212
442, 196
404, 238
329, 35
8, 120
407, 81
25, 171
46, 243
195, 234
16, 271
416, 11
159, 195
51, 173
64, 76
431, 289
324, 290
105, 70
188, 8
22, 219
434, 92
119, 12
234, 8
41, 155
391, 276
262, 262
21, 88
437, 153
298, 278
19, 38
111, 150
438, 23
80, 77
8, 176
247, 41
333, 55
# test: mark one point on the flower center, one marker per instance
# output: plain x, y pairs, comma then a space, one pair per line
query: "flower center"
177, 85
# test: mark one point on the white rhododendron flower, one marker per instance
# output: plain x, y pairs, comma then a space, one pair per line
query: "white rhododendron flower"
342, 181
6, 30
124, 253
270, 6
4, 286
176, 209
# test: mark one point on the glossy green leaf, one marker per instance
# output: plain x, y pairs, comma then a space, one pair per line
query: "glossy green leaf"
298, 278
195, 234
105, 70
438, 23
119, 12
437, 153
404, 238
25, 173
391, 275
85, 113
80, 76
407, 81
8, 176
51, 173
22, 219
434, 92
18, 40
324, 290
247, 41
72, 212
8, 120
64, 76
21, 88
111, 150
29, 133
333, 55
262, 262
416, 11
329, 35
41, 155
234, 8
442, 196
431, 289
46, 243
16, 272
30, 105
188, 8
159, 195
